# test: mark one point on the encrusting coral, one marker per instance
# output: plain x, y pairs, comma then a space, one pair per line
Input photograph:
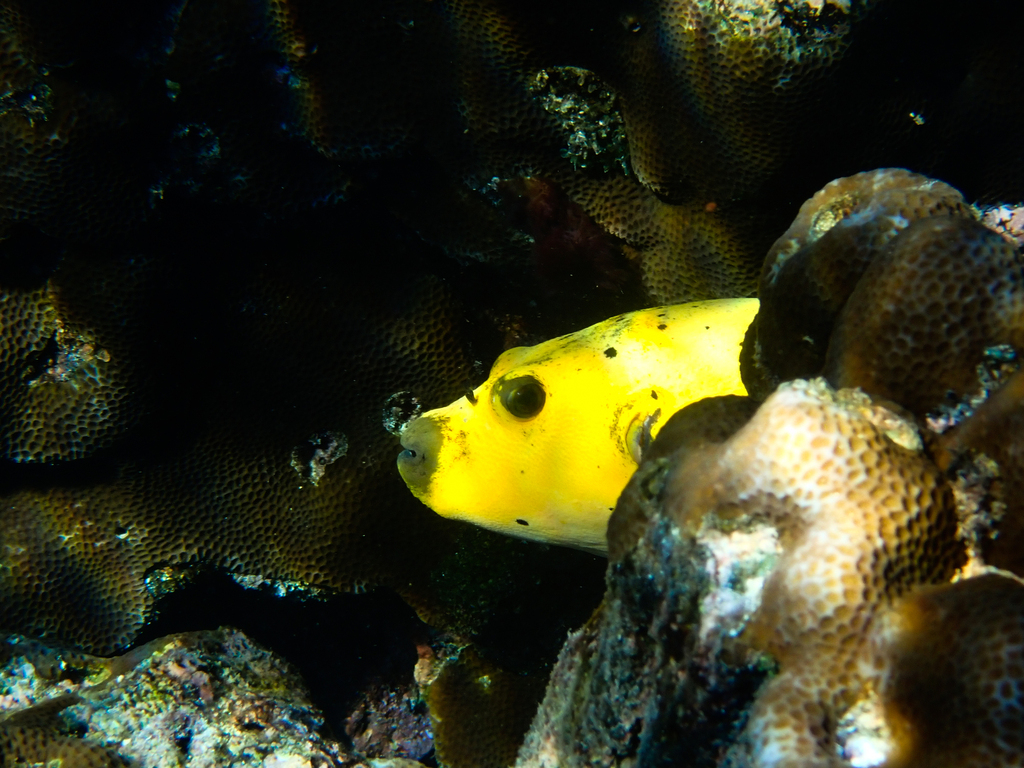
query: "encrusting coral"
734, 79
209, 698
104, 550
886, 281
925, 310
70, 380
786, 539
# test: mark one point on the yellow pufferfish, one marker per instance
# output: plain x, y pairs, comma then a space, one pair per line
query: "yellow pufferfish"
543, 448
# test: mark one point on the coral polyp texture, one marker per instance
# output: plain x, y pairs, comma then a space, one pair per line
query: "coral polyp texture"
70, 384
716, 92
953, 679
265, 497
861, 518
787, 539
233, 232
479, 711
811, 270
927, 307
685, 251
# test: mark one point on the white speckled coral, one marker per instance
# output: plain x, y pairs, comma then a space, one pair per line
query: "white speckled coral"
861, 519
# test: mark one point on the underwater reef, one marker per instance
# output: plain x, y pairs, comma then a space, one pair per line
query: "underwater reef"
817, 576
242, 242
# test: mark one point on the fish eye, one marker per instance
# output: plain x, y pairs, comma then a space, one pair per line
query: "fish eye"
522, 396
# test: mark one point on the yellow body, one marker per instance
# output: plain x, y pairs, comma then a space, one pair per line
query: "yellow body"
555, 475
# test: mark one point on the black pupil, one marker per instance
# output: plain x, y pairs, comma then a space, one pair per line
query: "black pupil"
523, 397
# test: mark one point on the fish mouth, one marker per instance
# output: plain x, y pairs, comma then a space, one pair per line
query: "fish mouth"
421, 440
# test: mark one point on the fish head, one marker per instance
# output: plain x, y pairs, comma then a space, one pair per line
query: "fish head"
543, 448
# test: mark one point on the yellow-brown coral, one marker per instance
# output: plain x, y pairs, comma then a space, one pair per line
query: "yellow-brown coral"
861, 516
925, 310
952, 679
811, 270
715, 91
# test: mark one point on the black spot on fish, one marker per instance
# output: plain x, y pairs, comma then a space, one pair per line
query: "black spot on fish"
662, 327
654, 394
707, 327
521, 521
610, 352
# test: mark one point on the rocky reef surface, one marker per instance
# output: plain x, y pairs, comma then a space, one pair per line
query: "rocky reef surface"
823, 578
242, 240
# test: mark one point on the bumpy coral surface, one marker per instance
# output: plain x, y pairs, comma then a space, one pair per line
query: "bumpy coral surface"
716, 91
640, 683
286, 506
788, 539
953, 679
70, 383
811, 270
926, 309
861, 519
479, 711
686, 251
228, 139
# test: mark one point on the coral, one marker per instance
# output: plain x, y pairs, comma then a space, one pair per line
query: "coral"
212, 698
861, 520
479, 711
70, 383
589, 114
638, 684
787, 538
64, 142
692, 428
207, 139
811, 270
887, 340
391, 721
103, 548
697, 249
984, 453
714, 93
953, 669
1008, 220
